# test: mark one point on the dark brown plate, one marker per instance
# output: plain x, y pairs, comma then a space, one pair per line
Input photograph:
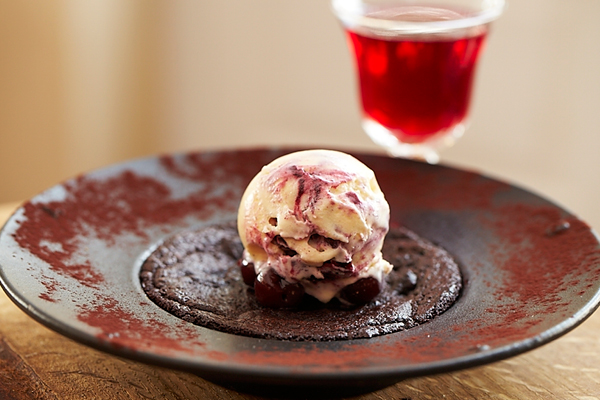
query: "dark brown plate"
70, 258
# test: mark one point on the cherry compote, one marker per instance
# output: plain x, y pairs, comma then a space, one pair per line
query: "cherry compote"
362, 291
248, 273
273, 291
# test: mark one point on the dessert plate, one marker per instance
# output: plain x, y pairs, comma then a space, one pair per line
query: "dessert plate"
70, 258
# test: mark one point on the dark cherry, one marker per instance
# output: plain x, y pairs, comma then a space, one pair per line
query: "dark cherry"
275, 292
362, 291
248, 273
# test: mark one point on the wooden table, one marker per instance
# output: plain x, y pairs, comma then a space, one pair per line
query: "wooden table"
36, 362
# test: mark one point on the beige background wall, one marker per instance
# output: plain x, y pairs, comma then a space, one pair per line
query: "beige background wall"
87, 83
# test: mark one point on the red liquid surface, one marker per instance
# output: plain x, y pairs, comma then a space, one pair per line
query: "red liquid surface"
416, 88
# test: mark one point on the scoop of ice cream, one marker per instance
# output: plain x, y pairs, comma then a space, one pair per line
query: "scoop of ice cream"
316, 218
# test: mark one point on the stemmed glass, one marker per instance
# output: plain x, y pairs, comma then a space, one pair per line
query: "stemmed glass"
415, 62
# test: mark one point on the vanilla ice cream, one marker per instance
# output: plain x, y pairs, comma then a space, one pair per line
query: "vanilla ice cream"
316, 218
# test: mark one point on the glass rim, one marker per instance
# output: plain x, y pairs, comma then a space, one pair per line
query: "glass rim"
352, 14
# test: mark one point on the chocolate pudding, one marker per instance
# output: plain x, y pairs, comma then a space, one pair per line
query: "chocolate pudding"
195, 276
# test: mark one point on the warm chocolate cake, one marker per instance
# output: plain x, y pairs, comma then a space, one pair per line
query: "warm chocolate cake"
195, 276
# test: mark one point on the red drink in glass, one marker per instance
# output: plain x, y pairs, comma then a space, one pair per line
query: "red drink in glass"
416, 65
417, 89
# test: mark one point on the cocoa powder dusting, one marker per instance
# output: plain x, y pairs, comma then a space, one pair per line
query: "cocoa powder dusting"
415, 186
125, 203
122, 329
544, 256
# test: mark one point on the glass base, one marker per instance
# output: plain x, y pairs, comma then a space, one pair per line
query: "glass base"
426, 151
